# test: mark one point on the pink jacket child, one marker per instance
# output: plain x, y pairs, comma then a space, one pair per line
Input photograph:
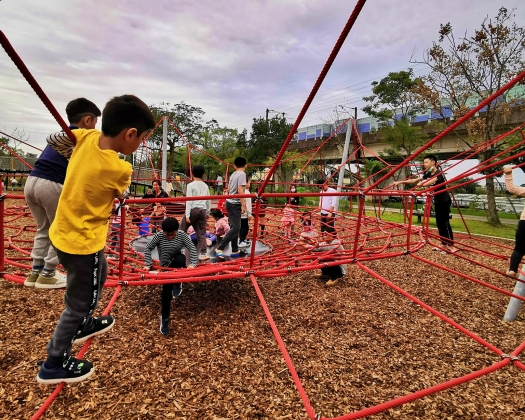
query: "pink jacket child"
221, 222
288, 219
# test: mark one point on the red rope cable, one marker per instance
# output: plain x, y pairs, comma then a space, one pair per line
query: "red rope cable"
33, 83
452, 127
317, 85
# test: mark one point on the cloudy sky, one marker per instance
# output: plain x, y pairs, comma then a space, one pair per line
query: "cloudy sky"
232, 58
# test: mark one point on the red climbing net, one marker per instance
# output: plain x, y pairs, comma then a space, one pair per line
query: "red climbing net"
364, 238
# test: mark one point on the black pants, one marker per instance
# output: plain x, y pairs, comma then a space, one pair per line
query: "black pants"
328, 223
234, 217
86, 275
178, 262
334, 272
519, 247
443, 222
245, 228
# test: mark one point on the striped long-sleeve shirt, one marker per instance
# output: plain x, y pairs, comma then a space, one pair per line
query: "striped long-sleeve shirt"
169, 248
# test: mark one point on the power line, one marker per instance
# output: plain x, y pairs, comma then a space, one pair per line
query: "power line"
323, 103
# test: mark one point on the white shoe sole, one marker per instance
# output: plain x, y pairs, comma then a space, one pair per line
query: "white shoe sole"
66, 380
29, 283
87, 337
60, 285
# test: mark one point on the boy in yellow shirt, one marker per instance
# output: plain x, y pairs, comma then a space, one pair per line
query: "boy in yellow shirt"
95, 177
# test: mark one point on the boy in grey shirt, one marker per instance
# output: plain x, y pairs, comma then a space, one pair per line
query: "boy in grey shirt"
197, 211
235, 207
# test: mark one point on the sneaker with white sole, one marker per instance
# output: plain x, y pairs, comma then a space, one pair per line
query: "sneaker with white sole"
100, 325
164, 326
244, 244
31, 279
177, 290
56, 281
203, 257
70, 371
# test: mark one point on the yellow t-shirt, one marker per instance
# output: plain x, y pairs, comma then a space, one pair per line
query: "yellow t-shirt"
94, 178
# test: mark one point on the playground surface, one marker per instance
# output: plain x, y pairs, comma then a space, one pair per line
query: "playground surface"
354, 345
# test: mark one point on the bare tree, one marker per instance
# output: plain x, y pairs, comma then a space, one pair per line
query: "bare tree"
466, 71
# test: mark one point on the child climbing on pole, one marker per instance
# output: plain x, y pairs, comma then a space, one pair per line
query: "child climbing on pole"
519, 245
80, 227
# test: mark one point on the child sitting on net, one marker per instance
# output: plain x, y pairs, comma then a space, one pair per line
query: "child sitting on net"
222, 225
288, 220
309, 233
211, 238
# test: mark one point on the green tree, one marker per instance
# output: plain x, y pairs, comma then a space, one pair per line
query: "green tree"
267, 138
190, 122
467, 70
5, 142
394, 103
292, 162
223, 144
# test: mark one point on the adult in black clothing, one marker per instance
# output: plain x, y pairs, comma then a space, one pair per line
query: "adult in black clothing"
434, 176
158, 192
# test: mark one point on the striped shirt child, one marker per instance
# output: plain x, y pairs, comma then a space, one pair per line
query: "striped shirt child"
169, 248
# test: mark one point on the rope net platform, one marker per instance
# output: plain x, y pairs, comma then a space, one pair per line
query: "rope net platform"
406, 324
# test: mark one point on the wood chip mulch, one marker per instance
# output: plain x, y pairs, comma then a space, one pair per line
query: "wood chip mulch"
354, 345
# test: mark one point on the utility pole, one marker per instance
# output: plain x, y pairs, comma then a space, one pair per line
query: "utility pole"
271, 110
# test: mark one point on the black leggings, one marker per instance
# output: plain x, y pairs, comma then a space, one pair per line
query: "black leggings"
443, 222
245, 228
519, 247
178, 262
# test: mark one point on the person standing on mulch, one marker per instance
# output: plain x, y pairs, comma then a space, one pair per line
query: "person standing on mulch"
197, 211
519, 246
14, 183
96, 175
327, 204
235, 207
42, 191
170, 243
219, 185
434, 176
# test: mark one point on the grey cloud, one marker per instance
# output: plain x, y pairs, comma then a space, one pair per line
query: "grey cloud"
233, 58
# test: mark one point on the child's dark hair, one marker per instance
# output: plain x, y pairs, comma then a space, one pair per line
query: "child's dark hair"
320, 181
126, 111
239, 162
432, 158
217, 214
306, 218
153, 182
170, 224
198, 171
80, 108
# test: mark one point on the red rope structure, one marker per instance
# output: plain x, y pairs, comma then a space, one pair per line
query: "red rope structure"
364, 238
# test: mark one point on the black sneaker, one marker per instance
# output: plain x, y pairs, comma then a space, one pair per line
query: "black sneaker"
101, 324
164, 326
72, 370
177, 290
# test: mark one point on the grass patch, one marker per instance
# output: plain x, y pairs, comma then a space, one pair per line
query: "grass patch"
475, 227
